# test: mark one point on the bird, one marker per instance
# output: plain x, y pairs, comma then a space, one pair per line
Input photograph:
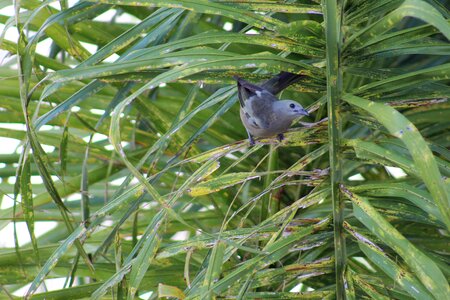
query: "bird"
262, 113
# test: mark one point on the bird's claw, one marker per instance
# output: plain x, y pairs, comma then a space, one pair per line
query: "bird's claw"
280, 137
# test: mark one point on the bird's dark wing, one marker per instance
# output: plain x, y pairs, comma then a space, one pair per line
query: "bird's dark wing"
281, 81
260, 107
256, 103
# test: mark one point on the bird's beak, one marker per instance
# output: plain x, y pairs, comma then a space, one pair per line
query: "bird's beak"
302, 112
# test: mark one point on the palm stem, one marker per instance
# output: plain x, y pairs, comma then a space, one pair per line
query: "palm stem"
334, 90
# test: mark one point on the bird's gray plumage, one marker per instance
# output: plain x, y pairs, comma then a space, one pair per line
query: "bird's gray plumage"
262, 114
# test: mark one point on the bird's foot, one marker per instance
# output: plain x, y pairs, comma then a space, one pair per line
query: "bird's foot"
251, 141
280, 137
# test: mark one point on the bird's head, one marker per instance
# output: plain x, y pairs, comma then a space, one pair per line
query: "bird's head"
290, 109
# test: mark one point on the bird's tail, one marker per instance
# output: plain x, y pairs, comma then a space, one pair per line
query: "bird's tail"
281, 81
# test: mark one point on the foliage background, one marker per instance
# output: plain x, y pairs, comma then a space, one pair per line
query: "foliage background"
156, 192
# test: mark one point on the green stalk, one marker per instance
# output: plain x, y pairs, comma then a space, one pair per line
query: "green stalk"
269, 204
334, 91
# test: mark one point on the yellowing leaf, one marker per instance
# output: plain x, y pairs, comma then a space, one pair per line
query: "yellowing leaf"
220, 183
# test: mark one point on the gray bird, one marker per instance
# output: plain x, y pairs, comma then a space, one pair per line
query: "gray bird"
262, 114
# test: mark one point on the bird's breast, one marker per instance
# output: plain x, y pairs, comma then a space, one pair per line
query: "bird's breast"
273, 126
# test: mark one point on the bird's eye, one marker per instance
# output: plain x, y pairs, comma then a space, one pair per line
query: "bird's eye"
292, 105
